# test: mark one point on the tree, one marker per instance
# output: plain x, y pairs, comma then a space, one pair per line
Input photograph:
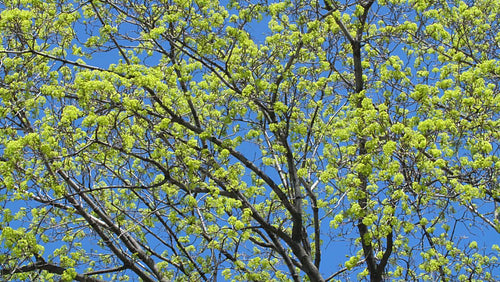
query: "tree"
249, 140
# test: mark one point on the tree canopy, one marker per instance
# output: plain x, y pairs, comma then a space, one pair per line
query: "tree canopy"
180, 140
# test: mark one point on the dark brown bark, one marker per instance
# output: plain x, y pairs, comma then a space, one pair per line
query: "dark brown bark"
376, 270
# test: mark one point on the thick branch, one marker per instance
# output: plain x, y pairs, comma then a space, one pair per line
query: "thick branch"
245, 161
131, 244
316, 221
49, 267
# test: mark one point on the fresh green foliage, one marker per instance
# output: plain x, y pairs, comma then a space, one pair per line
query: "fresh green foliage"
181, 140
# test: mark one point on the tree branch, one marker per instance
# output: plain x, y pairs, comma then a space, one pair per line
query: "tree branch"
50, 267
